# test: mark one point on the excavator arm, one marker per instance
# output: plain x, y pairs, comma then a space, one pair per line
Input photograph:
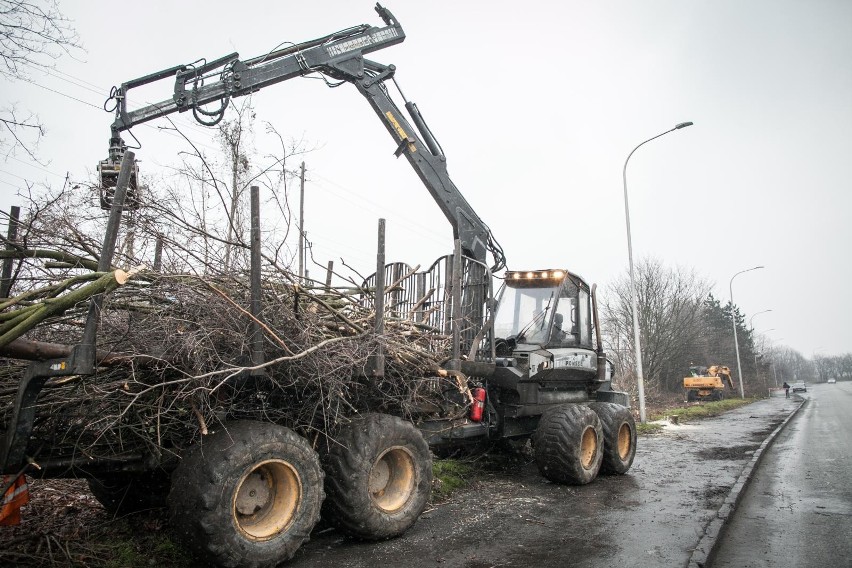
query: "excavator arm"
339, 57
723, 373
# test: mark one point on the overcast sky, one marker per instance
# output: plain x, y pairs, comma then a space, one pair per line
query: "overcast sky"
537, 105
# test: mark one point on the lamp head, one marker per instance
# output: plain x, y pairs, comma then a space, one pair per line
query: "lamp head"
682, 125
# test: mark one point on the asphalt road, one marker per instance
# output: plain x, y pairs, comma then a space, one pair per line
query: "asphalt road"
654, 516
797, 509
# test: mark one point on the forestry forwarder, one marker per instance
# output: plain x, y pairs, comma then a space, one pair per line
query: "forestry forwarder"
534, 369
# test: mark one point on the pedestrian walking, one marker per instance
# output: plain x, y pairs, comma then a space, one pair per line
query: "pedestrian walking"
786, 390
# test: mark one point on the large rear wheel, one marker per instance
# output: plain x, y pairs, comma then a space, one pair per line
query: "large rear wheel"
248, 495
568, 444
378, 477
619, 433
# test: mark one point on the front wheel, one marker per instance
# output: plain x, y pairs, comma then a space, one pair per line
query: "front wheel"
619, 432
247, 495
378, 477
568, 444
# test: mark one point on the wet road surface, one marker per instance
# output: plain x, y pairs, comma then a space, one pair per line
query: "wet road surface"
652, 517
797, 509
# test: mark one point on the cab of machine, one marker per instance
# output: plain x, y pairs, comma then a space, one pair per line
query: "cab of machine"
548, 308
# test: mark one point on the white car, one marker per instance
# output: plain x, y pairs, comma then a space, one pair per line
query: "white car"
831, 381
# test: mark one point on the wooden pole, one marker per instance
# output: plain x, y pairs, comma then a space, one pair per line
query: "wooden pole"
87, 344
257, 356
302, 227
328, 274
455, 363
376, 363
11, 236
158, 254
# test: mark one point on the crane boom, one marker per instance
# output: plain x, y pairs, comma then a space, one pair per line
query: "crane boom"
339, 56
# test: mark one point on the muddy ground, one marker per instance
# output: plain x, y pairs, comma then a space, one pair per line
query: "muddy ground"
507, 516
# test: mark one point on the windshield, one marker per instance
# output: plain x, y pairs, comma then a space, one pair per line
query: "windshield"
556, 316
525, 313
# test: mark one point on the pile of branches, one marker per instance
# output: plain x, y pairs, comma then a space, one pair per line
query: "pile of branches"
175, 363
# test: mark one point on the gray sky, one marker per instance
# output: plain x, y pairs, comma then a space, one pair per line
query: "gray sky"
536, 104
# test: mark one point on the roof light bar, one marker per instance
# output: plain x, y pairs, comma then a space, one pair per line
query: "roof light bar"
536, 275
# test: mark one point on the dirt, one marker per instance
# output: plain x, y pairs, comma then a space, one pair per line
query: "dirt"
63, 525
728, 452
507, 516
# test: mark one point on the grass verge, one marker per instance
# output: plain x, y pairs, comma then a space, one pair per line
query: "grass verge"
448, 475
702, 409
694, 411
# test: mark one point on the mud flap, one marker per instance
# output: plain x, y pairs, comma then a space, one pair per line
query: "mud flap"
15, 497
616, 397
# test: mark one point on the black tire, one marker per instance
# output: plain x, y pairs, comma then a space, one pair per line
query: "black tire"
124, 493
378, 477
690, 396
619, 433
568, 444
248, 495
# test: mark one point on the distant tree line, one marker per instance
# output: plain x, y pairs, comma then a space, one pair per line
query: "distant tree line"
683, 324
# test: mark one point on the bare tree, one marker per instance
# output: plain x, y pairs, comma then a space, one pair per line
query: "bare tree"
235, 135
790, 365
670, 320
33, 35
200, 211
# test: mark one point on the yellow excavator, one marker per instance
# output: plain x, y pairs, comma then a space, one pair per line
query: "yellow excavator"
707, 383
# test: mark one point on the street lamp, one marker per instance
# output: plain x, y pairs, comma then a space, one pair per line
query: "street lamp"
754, 350
751, 319
640, 380
734, 324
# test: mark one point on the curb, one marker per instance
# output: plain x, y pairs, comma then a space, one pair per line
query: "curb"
706, 547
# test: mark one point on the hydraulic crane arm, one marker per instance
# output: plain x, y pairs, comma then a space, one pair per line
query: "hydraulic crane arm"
339, 56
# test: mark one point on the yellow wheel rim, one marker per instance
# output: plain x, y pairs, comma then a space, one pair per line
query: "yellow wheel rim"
588, 447
624, 441
392, 479
266, 499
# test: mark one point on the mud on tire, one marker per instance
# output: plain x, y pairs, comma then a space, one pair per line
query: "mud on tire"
247, 495
568, 444
378, 477
123, 493
619, 434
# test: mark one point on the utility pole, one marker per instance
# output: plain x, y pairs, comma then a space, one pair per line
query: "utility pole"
302, 226
11, 237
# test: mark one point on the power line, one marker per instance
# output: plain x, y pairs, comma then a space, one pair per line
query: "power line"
32, 82
376, 208
36, 167
183, 122
16, 175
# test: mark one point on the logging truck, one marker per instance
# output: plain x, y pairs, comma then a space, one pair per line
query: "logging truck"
526, 361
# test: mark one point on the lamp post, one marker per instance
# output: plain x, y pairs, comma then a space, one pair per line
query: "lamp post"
763, 343
751, 319
640, 380
751, 326
772, 352
734, 324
